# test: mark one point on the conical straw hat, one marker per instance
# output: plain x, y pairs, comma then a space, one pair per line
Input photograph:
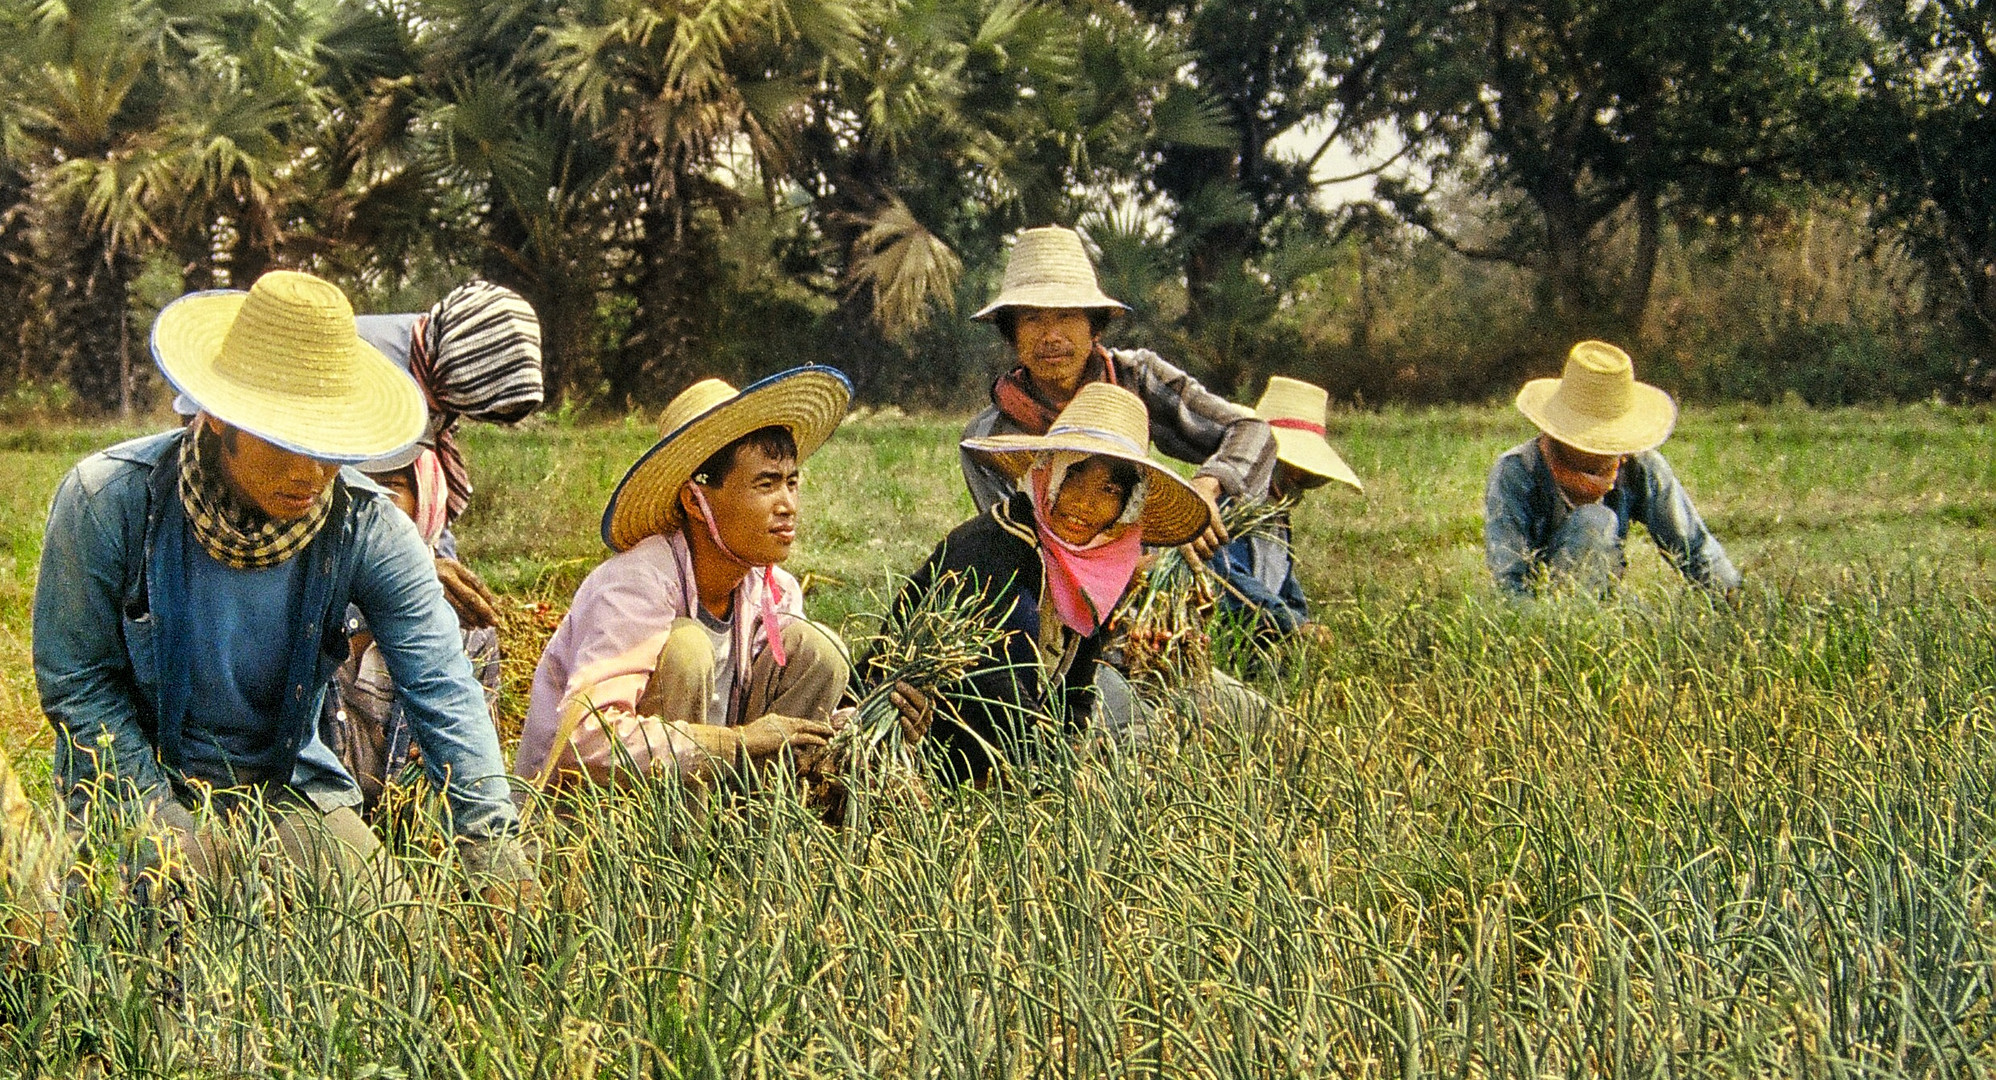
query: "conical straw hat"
1597, 406
1050, 269
707, 416
1295, 409
283, 362
1111, 421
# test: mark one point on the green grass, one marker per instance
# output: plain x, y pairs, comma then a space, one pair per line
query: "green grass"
1660, 836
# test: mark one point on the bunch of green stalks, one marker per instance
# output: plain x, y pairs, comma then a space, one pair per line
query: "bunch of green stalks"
1165, 628
927, 642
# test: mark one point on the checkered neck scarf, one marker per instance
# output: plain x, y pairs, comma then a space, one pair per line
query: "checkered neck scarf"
233, 533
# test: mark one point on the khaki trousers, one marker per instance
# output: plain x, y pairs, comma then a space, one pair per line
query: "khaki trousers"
809, 686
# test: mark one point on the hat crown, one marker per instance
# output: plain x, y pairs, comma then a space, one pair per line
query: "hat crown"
1292, 399
293, 335
692, 402
1106, 410
1049, 255
1599, 380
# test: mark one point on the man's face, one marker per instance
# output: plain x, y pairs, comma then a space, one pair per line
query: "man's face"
401, 485
1601, 465
1291, 482
282, 485
1089, 501
755, 507
1053, 343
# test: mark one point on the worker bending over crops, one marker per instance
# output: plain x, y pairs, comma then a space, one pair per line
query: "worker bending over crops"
194, 584
1559, 507
688, 651
1051, 562
1052, 312
1257, 571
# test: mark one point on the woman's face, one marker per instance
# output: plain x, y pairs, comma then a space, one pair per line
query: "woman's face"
1090, 500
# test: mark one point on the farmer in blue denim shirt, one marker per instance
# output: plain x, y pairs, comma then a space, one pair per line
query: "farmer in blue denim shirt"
1257, 571
193, 585
1559, 506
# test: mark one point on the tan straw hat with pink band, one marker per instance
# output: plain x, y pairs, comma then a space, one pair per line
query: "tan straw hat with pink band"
1050, 269
1110, 421
284, 363
1295, 409
1596, 406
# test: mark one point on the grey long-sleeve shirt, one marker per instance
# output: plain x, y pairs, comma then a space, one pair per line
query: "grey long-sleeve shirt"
1187, 421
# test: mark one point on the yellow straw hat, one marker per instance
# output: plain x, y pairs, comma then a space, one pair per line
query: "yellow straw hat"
707, 416
1295, 409
284, 363
1597, 406
1111, 421
1050, 269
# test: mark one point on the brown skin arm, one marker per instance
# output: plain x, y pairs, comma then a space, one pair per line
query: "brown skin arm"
1206, 543
476, 604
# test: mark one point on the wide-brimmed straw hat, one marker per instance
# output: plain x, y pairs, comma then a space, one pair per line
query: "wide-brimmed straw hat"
1050, 269
283, 362
1110, 421
707, 416
1295, 409
1597, 406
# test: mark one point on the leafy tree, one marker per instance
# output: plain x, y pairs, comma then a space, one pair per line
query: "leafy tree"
1578, 118
1926, 139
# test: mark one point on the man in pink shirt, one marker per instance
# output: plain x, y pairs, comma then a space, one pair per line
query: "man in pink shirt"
688, 651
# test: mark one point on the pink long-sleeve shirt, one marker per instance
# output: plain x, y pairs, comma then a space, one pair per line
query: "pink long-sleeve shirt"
607, 647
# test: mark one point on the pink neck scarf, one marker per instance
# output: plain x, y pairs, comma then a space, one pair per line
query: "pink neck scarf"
1087, 581
771, 630
432, 496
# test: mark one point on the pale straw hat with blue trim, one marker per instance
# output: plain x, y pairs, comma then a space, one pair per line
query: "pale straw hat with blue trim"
710, 414
1110, 421
1050, 269
1596, 406
284, 363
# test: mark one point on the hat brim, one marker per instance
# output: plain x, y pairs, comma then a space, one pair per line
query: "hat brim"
382, 413
1647, 423
1051, 296
810, 401
1309, 452
1173, 512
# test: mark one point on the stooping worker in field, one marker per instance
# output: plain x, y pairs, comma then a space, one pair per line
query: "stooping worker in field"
1258, 571
476, 355
1051, 561
1559, 506
1052, 312
193, 585
688, 651
364, 720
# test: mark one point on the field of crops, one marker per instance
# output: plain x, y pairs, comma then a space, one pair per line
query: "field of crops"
1657, 836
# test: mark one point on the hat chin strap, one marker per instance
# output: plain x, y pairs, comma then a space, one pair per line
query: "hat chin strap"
771, 630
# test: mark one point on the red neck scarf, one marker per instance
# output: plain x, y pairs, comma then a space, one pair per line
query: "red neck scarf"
1017, 397
1085, 582
1580, 488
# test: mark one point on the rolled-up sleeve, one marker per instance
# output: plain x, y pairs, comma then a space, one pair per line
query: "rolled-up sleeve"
83, 669
1678, 530
1228, 442
396, 588
1507, 545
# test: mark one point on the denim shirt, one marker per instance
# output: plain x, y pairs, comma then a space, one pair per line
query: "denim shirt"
112, 600
1261, 578
1523, 507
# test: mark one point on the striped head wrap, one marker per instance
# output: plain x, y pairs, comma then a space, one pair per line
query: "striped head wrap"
478, 355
